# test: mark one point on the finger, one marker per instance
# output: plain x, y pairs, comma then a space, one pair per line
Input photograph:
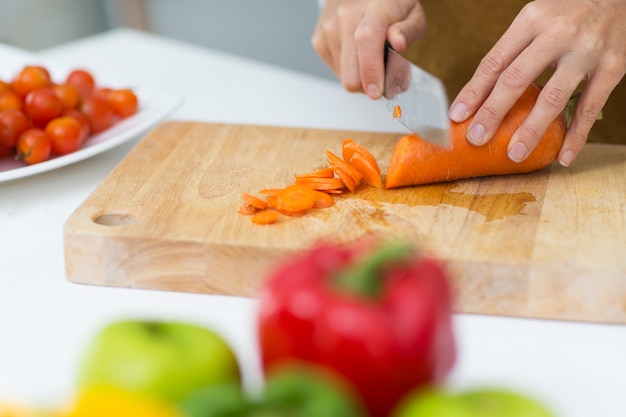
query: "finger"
369, 39
588, 108
509, 86
403, 33
550, 104
515, 40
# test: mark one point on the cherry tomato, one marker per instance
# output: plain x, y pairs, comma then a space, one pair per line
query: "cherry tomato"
4, 86
82, 119
65, 134
102, 92
42, 105
123, 102
30, 78
83, 80
5, 151
12, 124
68, 94
98, 112
10, 100
33, 146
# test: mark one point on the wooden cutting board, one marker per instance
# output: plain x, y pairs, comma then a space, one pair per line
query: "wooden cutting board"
551, 244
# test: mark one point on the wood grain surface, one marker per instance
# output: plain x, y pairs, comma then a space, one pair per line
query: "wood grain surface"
550, 244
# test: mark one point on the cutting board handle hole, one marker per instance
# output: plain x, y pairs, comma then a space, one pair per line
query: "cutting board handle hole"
115, 219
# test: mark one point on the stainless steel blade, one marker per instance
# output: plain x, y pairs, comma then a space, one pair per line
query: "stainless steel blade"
416, 98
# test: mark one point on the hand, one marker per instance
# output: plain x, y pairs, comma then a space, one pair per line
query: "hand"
351, 34
583, 39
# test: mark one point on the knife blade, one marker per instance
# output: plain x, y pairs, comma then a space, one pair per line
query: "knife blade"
416, 98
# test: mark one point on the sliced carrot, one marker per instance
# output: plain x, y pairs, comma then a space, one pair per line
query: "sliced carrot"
397, 112
296, 198
350, 147
247, 209
320, 173
255, 201
337, 163
322, 184
272, 200
270, 191
324, 200
370, 175
347, 179
265, 217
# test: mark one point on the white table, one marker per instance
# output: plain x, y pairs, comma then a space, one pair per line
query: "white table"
577, 369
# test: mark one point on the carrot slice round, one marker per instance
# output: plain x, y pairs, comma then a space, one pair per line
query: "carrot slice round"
336, 163
255, 201
350, 147
370, 175
265, 217
296, 198
322, 184
324, 200
347, 179
320, 173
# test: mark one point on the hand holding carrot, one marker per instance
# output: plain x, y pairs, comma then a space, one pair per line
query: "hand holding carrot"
350, 37
583, 39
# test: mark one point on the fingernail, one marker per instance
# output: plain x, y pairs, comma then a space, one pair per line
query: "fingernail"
458, 112
518, 152
476, 134
373, 91
567, 158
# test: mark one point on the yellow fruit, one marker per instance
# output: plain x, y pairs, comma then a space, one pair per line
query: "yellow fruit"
108, 402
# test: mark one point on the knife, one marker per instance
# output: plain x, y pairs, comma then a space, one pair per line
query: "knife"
416, 98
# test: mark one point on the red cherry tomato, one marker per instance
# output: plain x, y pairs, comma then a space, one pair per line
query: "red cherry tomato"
10, 100
83, 80
42, 105
98, 112
30, 78
12, 124
68, 94
33, 146
123, 101
4, 86
65, 134
82, 119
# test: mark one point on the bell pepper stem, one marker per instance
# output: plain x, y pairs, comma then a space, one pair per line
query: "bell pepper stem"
366, 277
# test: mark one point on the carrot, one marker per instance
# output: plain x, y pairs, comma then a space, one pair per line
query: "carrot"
415, 161
247, 209
350, 147
295, 198
347, 179
320, 173
265, 217
324, 200
255, 202
397, 112
336, 163
370, 175
322, 184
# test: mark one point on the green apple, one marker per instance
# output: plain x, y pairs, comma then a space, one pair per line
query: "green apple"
163, 359
478, 402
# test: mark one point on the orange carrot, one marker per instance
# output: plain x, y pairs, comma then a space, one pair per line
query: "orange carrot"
295, 198
247, 209
350, 147
324, 200
337, 163
265, 217
320, 173
397, 112
415, 161
347, 179
255, 202
322, 184
363, 165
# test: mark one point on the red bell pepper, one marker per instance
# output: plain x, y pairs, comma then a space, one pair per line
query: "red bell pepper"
382, 319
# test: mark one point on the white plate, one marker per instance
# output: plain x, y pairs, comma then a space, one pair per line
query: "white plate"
153, 107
